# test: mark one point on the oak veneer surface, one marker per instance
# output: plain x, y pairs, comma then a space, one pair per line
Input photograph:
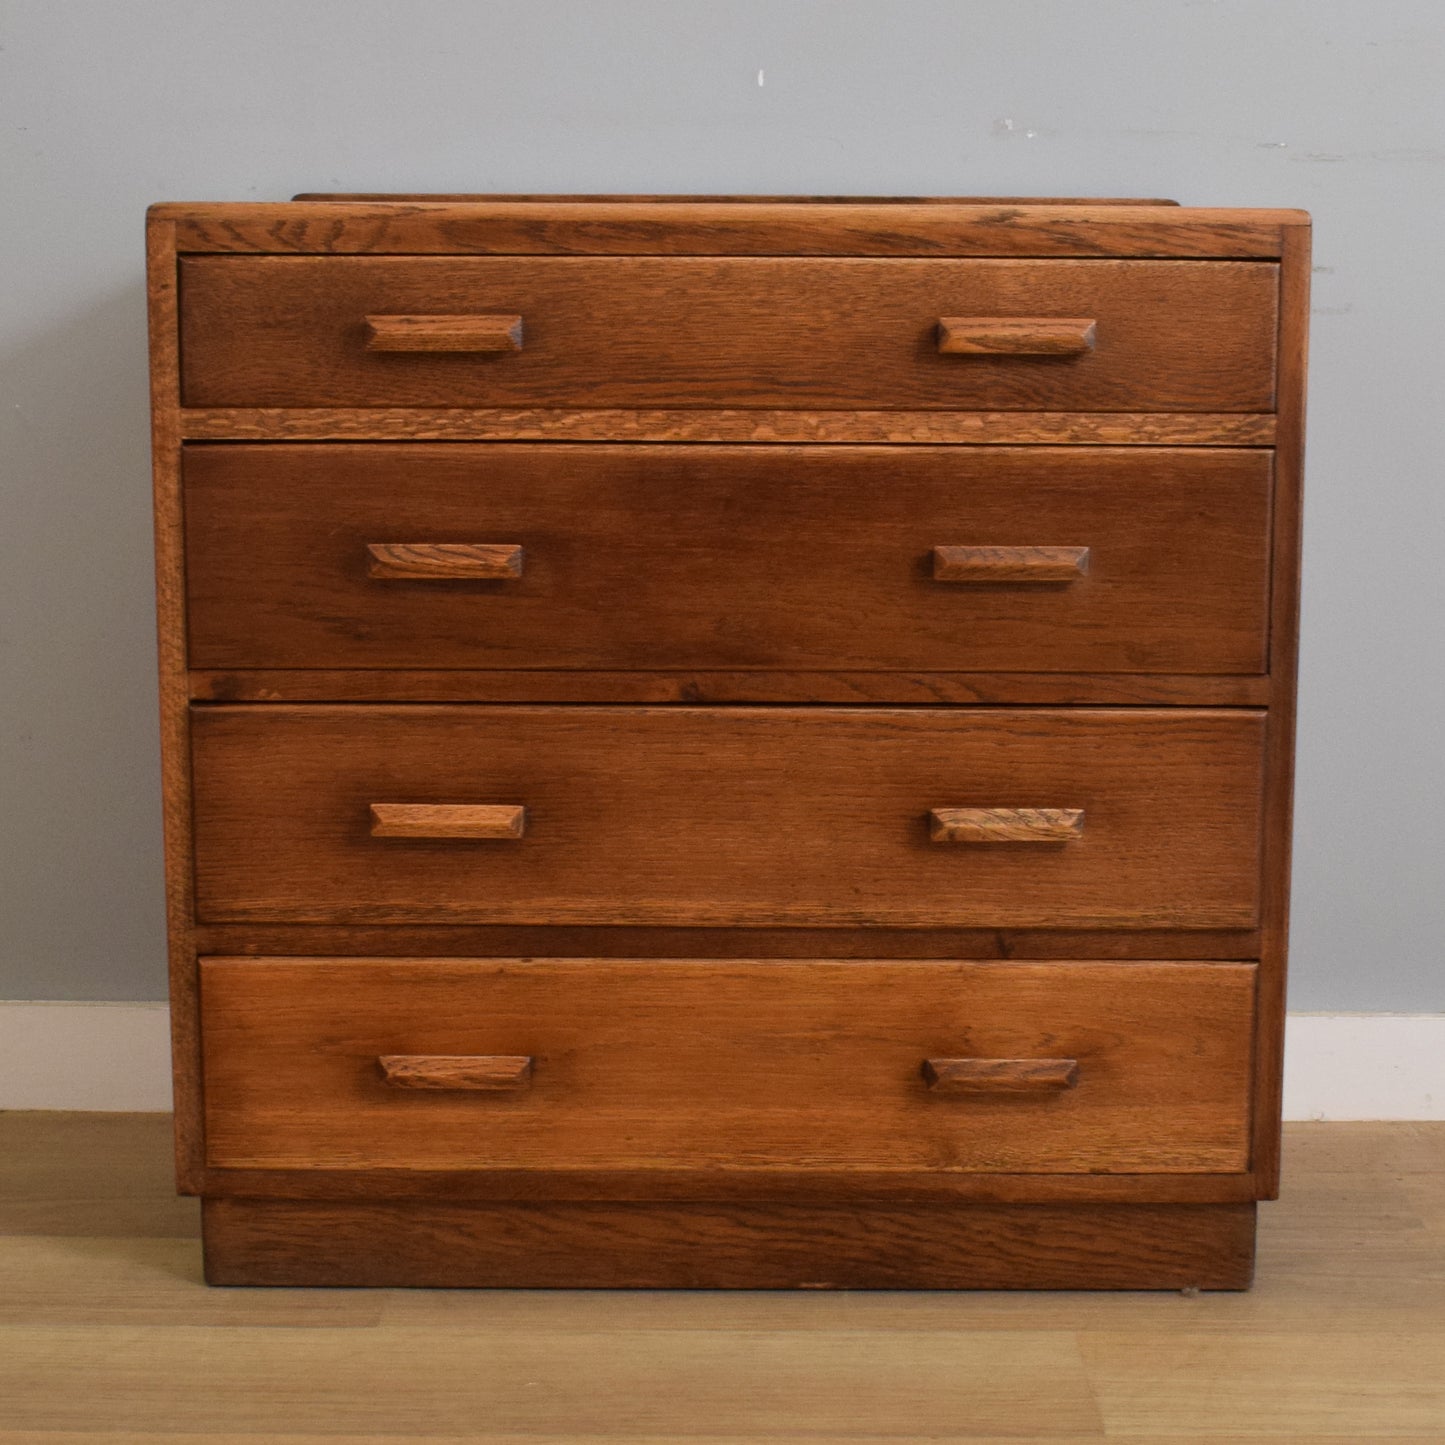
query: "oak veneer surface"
699, 1246
170, 564
728, 816
657, 941
762, 573
731, 424
726, 1065
1284, 613
725, 558
635, 331
640, 227
1074, 689
602, 198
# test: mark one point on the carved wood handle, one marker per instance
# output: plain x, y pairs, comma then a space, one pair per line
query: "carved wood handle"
1005, 825
1015, 335
1010, 564
445, 561
473, 1073
501, 821
444, 333
1000, 1076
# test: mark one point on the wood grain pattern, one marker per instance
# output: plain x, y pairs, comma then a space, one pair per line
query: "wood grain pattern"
990, 826
108, 1176
458, 1073
531, 1386
810, 816
632, 228
730, 1066
751, 424
1323, 1388
1284, 661
662, 941
832, 1187
1000, 1076
709, 1246
596, 197
795, 686
103, 1177
444, 561
1016, 335
477, 821
96, 1176
727, 558
170, 571
474, 332
752, 562
1042, 565
668, 332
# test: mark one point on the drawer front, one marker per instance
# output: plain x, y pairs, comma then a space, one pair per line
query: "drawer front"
507, 331
694, 557
600, 1064
918, 818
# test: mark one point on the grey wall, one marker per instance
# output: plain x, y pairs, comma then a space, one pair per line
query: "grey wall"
106, 105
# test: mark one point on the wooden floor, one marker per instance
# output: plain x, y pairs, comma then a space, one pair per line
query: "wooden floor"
107, 1333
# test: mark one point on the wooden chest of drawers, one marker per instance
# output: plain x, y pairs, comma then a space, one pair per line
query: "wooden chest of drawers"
727, 742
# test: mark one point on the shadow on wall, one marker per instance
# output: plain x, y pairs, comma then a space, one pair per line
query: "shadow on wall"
80, 852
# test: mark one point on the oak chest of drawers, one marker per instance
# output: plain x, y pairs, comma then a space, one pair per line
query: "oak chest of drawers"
727, 742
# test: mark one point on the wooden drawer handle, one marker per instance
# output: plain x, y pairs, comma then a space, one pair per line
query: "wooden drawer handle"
443, 333
1000, 1076
1010, 564
1005, 825
474, 1073
445, 561
501, 821
1015, 335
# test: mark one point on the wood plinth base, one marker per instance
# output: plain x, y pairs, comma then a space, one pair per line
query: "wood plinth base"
514, 1245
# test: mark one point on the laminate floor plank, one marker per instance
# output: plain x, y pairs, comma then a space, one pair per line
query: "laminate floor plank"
96, 1174
1283, 1386
108, 1335
106, 1437
1369, 1147
608, 1386
74, 1280
1426, 1193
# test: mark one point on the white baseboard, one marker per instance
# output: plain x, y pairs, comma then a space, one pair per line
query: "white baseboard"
115, 1056
1364, 1066
105, 1056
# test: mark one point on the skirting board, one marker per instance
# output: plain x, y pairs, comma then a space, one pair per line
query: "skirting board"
116, 1056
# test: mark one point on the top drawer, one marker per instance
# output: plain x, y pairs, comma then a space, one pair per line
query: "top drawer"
747, 332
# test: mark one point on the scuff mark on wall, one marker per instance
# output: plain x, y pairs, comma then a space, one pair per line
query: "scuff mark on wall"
1409, 154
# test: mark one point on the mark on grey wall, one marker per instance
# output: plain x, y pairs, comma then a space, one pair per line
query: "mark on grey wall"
1429, 155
